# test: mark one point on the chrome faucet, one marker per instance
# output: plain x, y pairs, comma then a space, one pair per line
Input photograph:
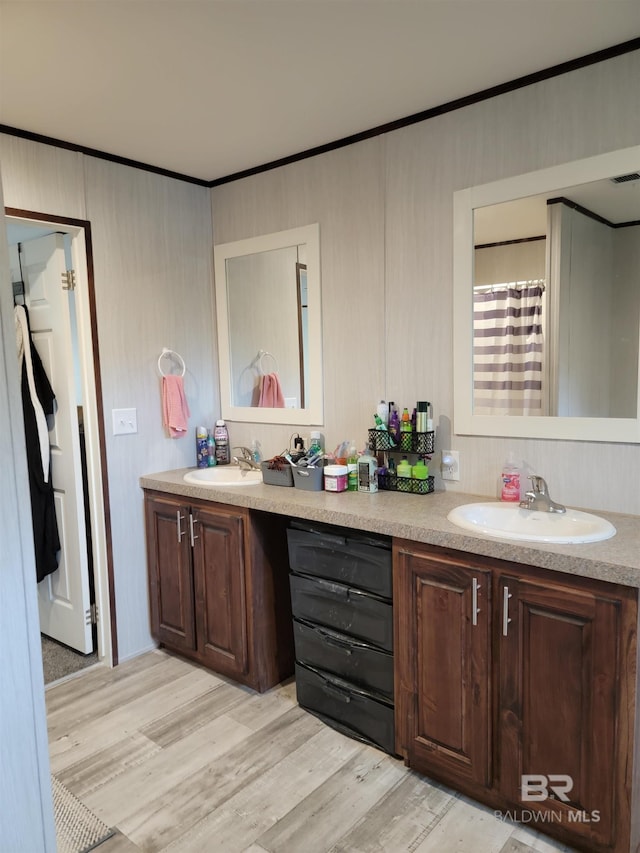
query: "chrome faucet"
538, 497
245, 460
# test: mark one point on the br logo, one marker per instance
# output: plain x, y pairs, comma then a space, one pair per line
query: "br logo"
536, 787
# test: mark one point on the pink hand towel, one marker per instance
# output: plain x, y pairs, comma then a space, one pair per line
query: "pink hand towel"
175, 410
271, 396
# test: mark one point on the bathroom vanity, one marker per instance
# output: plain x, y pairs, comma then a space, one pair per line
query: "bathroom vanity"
515, 665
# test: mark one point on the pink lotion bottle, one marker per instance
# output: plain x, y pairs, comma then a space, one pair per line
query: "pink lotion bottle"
510, 491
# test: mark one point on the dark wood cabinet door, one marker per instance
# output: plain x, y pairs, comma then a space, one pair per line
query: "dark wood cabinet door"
558, 706
220, 595
170, 576
443, 667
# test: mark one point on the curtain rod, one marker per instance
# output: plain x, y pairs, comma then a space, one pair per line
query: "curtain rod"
517, 285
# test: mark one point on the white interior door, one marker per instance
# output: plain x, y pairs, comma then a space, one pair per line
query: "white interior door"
63, 597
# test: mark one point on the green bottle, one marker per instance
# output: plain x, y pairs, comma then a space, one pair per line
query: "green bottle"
352, 469
420, 470
404, 468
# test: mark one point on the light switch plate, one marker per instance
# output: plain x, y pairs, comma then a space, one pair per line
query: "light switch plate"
125, 421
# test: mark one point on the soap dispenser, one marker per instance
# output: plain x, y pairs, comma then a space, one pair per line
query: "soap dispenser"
510, 478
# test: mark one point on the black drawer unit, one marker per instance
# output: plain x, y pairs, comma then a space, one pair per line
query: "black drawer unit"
346, 609
341, 594
355, 560
342, 705
362, 663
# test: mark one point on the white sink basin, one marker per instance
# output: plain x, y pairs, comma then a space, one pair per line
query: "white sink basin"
223, 475
508, 521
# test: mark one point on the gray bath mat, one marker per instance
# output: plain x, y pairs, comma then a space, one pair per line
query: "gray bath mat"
78, 830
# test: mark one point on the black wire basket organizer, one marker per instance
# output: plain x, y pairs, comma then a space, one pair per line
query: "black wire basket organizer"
422, 443
408, 485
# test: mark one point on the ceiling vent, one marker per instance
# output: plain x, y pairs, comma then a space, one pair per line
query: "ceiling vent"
623, 179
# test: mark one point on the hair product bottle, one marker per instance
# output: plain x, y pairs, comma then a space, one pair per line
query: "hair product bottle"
221, 438
367, 472
202, 449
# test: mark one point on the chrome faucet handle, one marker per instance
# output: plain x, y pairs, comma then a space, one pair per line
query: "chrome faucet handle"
538, 497
246, 453
539, 484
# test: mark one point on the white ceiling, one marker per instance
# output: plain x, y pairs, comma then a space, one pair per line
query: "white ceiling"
208, 88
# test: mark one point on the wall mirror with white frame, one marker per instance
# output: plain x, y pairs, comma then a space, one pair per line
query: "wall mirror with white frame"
268, 310
547, 303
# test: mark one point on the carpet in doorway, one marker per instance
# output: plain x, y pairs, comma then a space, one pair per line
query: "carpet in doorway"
59, 660
78, 830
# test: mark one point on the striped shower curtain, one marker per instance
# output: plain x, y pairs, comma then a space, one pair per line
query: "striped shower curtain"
508, 349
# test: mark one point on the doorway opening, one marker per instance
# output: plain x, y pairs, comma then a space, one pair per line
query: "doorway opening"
52, 275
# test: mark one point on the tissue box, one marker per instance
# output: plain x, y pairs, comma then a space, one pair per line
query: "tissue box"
310, 479
273, 477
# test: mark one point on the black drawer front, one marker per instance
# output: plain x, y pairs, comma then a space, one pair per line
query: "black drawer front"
365, 665
346, 708
348, 610
342, 559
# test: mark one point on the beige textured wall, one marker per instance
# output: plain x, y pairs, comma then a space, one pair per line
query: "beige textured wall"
385, 213
153, 261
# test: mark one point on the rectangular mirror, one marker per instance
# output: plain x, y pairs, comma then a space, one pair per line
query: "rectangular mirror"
269, 324
547, 303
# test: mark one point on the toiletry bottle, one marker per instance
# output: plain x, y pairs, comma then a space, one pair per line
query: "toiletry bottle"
202, 451
429, 417
420, 471
256, 451
383, 412
404, 468
315, 443
352, 469
394, 423
382, 427
367, 472
221, 438
510, 481
421, 416
405, 430
211, 450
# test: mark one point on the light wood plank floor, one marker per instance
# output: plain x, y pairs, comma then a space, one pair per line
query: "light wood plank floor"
183, 761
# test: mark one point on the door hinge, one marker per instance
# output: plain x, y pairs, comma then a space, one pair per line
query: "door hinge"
91, 615
69, 280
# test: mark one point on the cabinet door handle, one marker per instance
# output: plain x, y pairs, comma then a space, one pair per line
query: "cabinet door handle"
506, 595
192, 521
475, 586
180, 530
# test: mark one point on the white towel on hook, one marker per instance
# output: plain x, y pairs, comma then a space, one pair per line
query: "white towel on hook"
23, 346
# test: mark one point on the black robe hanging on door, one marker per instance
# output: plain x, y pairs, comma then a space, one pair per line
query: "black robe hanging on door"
45, 528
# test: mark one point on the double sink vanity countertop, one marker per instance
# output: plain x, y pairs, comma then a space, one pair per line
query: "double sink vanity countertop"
423, 518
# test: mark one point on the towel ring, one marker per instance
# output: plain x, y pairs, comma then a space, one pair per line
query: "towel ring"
262, 354
171, 354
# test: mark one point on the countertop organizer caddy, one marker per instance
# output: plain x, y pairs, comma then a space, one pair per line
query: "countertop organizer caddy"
419, 443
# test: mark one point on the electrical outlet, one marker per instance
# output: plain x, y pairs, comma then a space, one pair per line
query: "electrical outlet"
125, 421
450, 465
291, 402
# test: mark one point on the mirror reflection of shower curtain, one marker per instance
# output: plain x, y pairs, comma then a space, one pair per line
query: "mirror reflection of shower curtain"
508, 349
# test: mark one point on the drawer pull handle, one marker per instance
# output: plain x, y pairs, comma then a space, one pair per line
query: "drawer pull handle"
192, 535
332, 690
475, 586
506, 595
343, 645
